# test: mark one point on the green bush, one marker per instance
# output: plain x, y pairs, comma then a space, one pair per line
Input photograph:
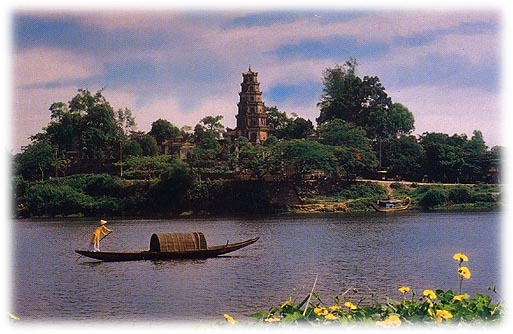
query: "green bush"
460, 194
433, 198
369, 190
44, 199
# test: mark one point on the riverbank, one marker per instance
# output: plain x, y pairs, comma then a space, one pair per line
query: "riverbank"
356, 197
104, 195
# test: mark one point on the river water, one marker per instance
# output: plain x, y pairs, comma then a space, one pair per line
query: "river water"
373, 253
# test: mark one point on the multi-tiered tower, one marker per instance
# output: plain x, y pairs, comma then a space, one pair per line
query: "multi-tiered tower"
251, 116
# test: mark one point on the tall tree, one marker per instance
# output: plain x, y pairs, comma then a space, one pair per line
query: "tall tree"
405, 158
100, 135
341, 94
444, 156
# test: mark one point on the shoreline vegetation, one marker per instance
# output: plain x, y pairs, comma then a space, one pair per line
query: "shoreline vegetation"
430, 308
94, 195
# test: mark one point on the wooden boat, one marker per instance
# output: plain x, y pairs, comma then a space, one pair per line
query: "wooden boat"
390, 205
169, 246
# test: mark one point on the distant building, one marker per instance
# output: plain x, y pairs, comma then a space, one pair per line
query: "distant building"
251, 115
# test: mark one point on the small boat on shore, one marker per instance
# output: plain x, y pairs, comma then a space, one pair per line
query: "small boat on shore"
390, 205
169, 246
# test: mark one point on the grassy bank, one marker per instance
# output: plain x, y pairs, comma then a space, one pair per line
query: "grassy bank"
356, 196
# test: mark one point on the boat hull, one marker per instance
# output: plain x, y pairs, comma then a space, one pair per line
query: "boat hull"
383, 209
391, 205
111, 256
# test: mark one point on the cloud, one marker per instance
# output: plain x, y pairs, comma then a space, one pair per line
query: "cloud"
187, 64
43, 66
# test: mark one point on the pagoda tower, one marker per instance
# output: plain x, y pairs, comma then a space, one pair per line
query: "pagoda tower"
251, 115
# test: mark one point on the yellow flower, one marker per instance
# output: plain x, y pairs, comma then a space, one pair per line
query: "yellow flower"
230, 319
393, 320
404, 289
460, 257
461, 297
334, 308
442, 314
273, 319
464, 272
321, 311
331, 316
429, 294
350, 305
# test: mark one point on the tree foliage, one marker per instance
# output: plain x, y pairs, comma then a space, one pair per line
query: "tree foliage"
359, 130
362, 102
283, 127
162, 129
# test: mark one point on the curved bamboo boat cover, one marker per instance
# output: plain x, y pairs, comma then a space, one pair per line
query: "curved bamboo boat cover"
176, 242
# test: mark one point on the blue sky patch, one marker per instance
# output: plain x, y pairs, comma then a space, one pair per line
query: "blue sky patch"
300, 93
266, 19
336, 47
451, 71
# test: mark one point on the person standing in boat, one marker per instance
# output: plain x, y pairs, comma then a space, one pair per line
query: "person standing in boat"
95, 240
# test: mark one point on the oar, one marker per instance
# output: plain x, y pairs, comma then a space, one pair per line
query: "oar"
105, 236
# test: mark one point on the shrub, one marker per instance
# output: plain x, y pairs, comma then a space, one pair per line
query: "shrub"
461, 194
432, 198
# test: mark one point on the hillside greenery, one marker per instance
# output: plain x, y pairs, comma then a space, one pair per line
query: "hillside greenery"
91, 160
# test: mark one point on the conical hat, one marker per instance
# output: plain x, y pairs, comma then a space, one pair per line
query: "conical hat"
102, 222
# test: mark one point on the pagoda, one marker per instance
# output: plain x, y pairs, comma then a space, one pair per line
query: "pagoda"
251, 115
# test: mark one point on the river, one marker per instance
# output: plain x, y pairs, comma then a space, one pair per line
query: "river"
371, 253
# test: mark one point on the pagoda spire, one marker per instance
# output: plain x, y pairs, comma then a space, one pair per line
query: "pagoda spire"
251, 116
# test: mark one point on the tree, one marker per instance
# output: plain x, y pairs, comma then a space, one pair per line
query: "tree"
363, 103
146, 167
257, 160
277, 121
126, 124
36, 161
212, 126
444, 156
405, 158
283, 127
207, 134
304, 156
477, 159
350, 145
341, 94
401, 120
64, 129
100, 135
162, 129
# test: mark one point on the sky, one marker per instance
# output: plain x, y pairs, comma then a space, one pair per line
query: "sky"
184, 63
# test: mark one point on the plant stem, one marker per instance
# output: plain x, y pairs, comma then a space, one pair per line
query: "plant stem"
311, 292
